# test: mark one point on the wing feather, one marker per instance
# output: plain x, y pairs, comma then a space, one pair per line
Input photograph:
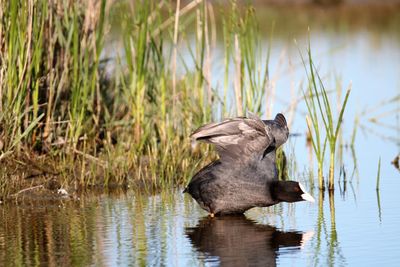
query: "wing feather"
238, 139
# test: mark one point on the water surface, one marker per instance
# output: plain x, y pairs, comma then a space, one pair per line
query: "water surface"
135, 229
355, 226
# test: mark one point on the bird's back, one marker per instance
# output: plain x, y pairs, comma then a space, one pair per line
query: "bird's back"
219, 188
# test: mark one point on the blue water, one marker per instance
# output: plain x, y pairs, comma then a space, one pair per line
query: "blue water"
356, 226
135, 229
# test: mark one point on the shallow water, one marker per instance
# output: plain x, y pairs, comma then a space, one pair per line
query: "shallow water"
133, 229
355, 226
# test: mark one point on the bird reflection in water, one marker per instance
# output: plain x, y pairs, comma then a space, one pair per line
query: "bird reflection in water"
238, 241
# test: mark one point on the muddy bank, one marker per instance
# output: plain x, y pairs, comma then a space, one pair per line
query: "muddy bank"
44, 178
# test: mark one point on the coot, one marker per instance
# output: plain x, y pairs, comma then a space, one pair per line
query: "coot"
238, 241
245, 175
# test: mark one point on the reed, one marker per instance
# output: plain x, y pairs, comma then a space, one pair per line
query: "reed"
244, 48
281, 164
123, 119
319, 107
49, 66
313, 126
378, 175
162, 111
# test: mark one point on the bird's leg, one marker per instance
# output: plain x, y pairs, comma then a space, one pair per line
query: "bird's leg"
211, 211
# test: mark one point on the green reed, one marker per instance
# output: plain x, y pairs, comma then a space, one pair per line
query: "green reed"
318, 145
126, 119
378, 175
50, 67
49, 74
243, 47
162, 111
319, 107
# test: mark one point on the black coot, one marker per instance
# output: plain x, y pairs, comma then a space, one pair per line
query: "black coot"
245, 174
238, 241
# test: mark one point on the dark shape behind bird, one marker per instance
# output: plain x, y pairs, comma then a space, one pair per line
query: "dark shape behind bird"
245, 174
238, 241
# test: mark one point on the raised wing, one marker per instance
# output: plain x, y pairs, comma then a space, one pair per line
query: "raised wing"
238, 139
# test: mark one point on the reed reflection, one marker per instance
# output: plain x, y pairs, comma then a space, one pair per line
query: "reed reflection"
238, 241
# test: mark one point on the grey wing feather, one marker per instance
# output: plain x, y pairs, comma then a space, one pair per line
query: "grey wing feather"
236, 139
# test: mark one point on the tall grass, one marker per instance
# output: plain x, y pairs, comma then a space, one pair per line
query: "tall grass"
124, 117
244, 48
378, 175
59, 98
49, 55
162, 110
319, 108
318, 143
50, 76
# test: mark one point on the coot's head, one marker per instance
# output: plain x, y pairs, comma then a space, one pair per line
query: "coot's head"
289, 191
278, 128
